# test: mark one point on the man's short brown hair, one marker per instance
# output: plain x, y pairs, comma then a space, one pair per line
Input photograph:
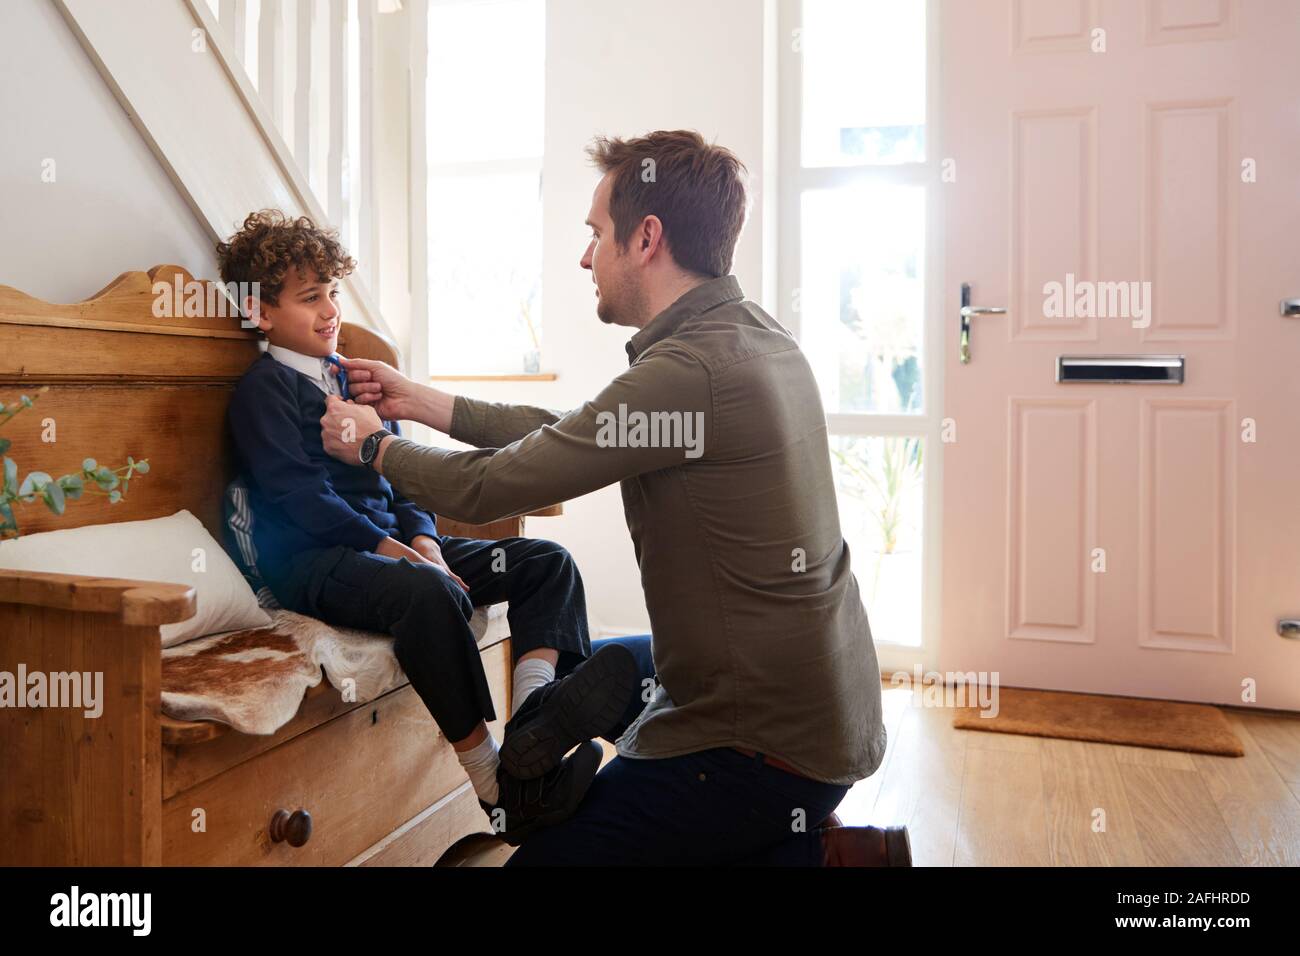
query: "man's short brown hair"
696, 189
269, 244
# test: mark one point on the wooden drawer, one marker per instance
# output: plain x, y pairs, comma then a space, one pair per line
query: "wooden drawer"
361, 776
420, 842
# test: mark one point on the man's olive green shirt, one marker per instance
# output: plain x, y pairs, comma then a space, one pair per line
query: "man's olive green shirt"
760, 638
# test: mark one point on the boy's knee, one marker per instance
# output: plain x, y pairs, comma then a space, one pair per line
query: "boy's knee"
551, 547
437, 614
433, 592
554, 557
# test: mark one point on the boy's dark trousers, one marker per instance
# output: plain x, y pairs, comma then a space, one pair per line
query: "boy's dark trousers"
428, 613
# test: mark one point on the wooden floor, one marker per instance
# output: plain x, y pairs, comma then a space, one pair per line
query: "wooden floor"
973, 798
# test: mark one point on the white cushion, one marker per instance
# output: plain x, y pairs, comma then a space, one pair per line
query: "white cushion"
161, 549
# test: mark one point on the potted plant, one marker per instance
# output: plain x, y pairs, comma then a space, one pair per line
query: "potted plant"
533, 356
882, 482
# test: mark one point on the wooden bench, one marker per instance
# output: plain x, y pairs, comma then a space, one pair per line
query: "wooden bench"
380, 784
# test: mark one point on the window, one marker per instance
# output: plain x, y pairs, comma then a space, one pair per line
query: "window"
857, 203
863, 82
484, 129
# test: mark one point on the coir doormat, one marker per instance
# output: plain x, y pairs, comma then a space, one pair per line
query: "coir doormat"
1134, 721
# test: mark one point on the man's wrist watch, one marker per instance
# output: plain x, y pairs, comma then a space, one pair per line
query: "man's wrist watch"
370, 447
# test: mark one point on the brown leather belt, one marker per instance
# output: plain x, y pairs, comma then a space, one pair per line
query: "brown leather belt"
773, 762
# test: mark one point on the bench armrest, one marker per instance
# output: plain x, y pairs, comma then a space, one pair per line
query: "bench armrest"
495, 530
131, 602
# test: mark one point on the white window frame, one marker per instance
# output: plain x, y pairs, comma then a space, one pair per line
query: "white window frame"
795, 179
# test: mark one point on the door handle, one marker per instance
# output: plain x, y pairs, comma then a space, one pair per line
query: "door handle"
1288, 628
1290, 308
967, 310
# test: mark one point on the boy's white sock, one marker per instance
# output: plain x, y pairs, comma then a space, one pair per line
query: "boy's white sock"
529, 675
481, 764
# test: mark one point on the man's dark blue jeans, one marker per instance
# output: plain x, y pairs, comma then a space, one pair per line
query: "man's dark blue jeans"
709, 808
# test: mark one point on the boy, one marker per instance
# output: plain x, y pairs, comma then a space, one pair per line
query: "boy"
335, 542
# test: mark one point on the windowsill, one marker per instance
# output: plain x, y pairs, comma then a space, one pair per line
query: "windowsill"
497, 377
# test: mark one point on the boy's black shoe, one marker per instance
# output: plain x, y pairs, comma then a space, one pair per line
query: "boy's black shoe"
587, 703
525, 806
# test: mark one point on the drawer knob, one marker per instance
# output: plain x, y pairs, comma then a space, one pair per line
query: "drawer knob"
292, 828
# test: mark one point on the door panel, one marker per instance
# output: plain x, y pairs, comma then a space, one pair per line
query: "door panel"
1053, 519
1113, 538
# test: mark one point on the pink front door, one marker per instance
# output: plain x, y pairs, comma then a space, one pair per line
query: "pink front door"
1134, 539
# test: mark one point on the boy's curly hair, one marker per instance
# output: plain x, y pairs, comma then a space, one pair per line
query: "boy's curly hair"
270, 243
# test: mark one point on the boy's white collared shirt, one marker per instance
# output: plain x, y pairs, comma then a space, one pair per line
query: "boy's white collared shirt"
319, 370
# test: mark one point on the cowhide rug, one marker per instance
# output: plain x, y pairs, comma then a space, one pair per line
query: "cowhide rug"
254, 680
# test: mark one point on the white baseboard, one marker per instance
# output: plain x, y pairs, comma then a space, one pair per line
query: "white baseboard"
609, 631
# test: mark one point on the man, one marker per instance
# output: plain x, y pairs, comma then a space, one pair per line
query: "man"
768, 702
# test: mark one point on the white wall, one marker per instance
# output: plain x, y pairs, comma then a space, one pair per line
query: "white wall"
624, 68
112, 207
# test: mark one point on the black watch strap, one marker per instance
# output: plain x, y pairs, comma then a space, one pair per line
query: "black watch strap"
370, 447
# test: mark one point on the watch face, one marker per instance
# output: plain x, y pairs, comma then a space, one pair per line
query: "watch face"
370, 447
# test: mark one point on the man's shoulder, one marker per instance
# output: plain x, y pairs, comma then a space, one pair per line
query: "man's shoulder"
726, 334
746, 314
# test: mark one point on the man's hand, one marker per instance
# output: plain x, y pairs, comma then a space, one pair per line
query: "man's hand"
428, 548
395, 397
381, 386
344, 426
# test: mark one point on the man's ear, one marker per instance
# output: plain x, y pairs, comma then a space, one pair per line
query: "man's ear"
649, 237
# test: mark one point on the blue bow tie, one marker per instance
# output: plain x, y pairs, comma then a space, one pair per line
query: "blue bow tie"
342, 377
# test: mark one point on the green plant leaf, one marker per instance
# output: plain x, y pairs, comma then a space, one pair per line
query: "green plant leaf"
7, 516
142, 467
72, 486
11, 477
89, 464
114, 497
4, 445
53, 495
33, 482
